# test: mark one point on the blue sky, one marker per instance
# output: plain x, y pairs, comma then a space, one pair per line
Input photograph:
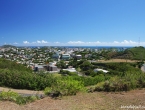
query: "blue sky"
72, 22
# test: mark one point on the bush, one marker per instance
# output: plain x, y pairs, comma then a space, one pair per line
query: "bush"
25, 80
65, 87
115, 84
15, 97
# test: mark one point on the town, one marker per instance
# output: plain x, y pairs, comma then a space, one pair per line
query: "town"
53, 59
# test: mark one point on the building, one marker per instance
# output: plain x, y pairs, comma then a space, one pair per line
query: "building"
70, 69
78, 57
56, 56
39, 68
52, 68
104, 71
65, 56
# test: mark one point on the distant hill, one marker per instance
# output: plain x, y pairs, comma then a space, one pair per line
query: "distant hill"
134, 53
137, 53
7, 46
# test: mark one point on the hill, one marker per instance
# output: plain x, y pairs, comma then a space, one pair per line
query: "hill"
7, 46
137, 53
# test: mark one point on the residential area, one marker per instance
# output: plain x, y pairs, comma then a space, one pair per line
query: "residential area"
53, 59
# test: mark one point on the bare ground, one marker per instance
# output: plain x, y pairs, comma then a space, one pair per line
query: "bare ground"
23, 91
117, 60
83, 101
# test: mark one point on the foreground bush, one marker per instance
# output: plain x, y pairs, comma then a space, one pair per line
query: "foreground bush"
64, 87
88, 81
128, 82
25, 80
15, 97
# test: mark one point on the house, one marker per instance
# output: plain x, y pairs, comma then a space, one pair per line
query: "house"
1, 56
65, 56
52, 68
78, 57
56, 56
39, 68
52, 63
104, 71
70, 69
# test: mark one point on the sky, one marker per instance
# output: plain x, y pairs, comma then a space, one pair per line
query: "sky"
72, 22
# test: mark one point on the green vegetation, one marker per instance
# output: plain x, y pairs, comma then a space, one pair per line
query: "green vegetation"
63, 87
124, 77
18, 76
121, 77
7, 46
9, 65
136, 53
15, 97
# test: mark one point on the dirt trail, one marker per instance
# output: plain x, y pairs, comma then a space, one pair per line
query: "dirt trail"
22, 91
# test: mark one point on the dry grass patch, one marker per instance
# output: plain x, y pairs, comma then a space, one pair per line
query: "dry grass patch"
84, 101
117, 60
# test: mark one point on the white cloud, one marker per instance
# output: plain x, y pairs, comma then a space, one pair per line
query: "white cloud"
44, 42
15, 43
116, 42
88, 43
128, 42
38, 42
25, 42
56, 42
83, 43
41, 42
98, 42
76, 42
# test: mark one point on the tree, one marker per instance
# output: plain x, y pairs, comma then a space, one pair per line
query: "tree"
61, 64
73, 63
86, 65
140, 63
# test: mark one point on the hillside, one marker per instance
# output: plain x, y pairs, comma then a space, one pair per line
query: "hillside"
84, 101
137, 53
7, 46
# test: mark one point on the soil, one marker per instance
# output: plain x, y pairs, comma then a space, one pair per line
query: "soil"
82, 101
117, 60
22, 91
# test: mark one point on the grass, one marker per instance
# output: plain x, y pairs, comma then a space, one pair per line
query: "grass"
84, 101
15, 97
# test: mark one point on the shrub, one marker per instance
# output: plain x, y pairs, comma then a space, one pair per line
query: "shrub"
25, 80
65, 87
10, 95
99, 87
15, 97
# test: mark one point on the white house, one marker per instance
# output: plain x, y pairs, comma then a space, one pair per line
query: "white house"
70, 69
105, 71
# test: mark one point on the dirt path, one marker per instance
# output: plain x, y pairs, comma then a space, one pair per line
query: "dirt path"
117, 60
83, 101
22, 91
